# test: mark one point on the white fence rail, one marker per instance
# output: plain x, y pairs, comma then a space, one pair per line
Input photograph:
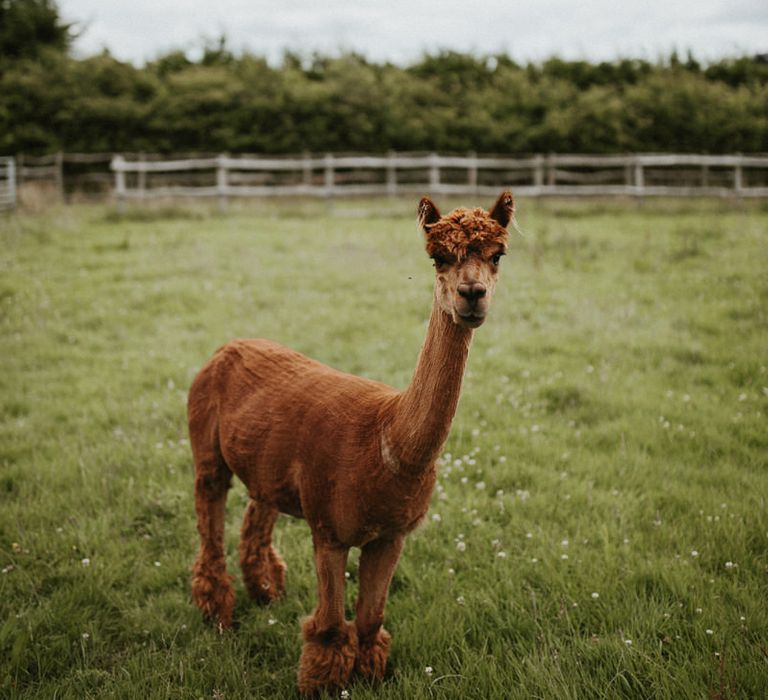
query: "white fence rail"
330, 175
7, 183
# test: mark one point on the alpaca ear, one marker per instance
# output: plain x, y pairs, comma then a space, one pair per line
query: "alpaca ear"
428, 212
504, 209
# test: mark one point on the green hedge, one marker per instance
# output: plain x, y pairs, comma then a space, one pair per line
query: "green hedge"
446, 102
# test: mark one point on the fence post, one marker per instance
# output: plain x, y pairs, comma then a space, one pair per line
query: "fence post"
472, 172
551, 172
118, 165
434, 172
222, 180
639, 177
306, 170
329, 178
628, 171
142, 176
12, 181
391, 174
538, 172
738, 175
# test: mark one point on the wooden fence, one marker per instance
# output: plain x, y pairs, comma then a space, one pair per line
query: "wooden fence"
330, 175
145, 176
7, 183
68, 173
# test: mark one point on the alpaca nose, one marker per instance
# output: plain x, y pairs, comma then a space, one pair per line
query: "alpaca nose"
471, 291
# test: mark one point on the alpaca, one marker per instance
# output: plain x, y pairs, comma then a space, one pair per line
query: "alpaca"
353, 457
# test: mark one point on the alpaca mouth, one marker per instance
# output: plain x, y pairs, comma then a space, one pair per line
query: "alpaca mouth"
471, 320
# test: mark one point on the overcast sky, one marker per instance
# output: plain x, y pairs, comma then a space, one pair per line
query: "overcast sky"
402, 30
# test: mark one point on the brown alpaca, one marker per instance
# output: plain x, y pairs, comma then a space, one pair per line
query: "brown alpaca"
354, 457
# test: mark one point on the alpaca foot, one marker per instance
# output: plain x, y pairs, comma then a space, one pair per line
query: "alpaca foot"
372, 655
264, 576
327, 657
213, 593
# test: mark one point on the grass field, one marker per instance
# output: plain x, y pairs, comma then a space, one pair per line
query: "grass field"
599, 529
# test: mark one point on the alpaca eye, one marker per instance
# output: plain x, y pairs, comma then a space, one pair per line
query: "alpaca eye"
438, 261
496, 259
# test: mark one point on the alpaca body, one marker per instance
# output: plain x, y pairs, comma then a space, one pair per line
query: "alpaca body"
353, 457
307, 440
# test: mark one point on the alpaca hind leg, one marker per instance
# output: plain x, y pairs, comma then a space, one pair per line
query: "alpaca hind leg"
212, 589
330, 642
377, 566
263, 568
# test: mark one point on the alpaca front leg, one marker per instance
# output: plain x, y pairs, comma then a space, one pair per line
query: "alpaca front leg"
330, 642
212, 589
263, 568
377, 566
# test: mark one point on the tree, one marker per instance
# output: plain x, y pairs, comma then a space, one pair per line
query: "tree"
29, 27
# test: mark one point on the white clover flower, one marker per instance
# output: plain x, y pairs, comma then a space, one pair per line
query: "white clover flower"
480, 485
564, 543
709, 631
503, 458
271, 621
501, 555
729, 565
157, 563
436, 517
460, 600
628, 642
595, 596
694, 553
461, 546
563, 556
85, 562
534, 560
344, 694
86, 636
429, 670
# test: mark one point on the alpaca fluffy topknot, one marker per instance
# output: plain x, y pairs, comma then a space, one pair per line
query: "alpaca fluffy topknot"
464, 231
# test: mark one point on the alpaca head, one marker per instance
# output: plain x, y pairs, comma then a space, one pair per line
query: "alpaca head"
466, 247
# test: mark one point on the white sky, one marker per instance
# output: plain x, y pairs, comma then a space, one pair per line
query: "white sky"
402, 30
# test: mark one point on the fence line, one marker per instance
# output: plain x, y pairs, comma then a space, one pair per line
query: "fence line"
330, 175
145, 176
7, 183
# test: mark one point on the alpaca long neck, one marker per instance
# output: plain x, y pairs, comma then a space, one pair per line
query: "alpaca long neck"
425, 410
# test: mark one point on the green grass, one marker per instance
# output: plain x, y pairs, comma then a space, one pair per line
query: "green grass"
614, 413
